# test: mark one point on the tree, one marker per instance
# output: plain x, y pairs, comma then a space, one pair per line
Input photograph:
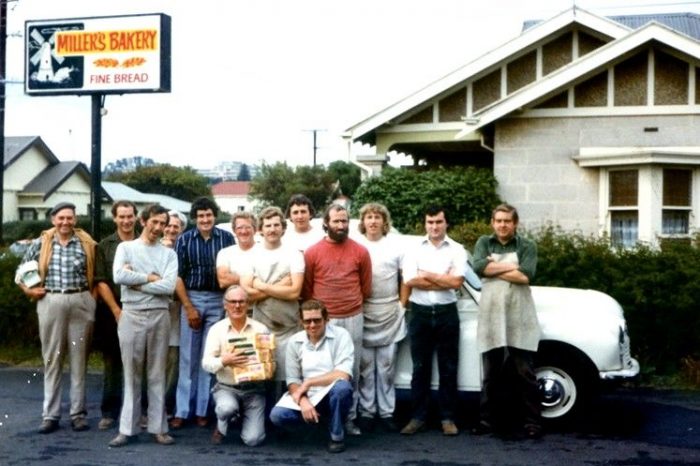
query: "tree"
467, 194
180, 182
348, 175
275, 184
243, 173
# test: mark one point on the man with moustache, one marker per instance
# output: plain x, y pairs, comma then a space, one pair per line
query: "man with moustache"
109, 307
200, 294
434, 270
300, 211
273, 282
65, 257
339, 274
147, 272
319, 363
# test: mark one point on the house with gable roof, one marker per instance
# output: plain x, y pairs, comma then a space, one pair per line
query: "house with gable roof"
35, 180
588, 122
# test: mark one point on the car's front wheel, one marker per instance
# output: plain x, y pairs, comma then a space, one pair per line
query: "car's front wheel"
564, 387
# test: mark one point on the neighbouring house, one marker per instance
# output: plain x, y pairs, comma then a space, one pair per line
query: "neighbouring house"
588, 122
232, 196
120, 191
35, 180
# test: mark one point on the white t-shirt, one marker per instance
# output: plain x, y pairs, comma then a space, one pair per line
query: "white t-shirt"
236, 259
302, 241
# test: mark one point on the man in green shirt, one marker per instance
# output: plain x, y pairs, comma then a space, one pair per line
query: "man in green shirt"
508, 331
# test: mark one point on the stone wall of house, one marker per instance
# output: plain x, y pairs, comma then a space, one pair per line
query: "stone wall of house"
535, 170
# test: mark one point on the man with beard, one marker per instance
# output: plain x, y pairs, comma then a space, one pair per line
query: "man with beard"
339, 274
109, 308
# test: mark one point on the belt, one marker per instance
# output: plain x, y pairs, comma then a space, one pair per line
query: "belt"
247, 386
66, 290
434, 308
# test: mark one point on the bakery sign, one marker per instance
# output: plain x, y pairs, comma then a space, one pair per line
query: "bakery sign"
100, 55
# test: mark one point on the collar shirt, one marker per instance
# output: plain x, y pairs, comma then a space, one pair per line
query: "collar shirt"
448, 257
67, 266
525, 249
305, 360
106, 249
217, 344
197, 258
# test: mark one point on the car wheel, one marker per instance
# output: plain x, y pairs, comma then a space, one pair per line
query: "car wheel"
563, 387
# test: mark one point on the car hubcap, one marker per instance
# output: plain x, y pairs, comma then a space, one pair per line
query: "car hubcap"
557, 391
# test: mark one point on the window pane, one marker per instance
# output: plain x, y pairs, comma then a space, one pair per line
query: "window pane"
675, 222
624, 228
623, 188
677, 186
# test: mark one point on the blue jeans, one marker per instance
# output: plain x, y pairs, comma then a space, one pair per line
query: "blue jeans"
334, 407
194, 383
430, 330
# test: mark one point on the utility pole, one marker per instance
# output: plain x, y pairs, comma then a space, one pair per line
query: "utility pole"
3, 79
315, 146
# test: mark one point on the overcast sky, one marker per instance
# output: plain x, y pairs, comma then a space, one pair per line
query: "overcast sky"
252, 78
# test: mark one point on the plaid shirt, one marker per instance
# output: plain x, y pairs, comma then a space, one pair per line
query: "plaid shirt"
67, 266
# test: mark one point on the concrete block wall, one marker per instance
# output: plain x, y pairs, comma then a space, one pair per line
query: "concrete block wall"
535, 170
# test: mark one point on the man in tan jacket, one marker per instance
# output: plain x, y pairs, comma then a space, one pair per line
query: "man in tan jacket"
65, 258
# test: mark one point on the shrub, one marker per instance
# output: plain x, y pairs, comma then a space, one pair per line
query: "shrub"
18, 321
467, 194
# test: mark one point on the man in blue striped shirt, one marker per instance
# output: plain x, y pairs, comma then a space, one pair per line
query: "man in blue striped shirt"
201, 296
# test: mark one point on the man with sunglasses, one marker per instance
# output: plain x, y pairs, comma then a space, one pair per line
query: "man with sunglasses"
235, 400
319, 365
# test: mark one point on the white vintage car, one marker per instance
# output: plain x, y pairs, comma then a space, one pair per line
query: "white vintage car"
584, 341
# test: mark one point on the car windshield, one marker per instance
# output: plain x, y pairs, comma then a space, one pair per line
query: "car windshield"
472, 278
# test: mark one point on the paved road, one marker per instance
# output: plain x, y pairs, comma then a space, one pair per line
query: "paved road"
631, 427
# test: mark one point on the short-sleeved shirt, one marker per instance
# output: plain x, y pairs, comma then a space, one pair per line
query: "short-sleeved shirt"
305, 360
448, 256
197, 258
236, 259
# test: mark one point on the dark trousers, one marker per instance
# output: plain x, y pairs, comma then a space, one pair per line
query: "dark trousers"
434, 328
105, 340
509, 395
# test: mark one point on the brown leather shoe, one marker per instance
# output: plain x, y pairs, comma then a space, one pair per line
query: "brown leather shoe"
177, 423
217, 437
449, 428
414, 425
201, 421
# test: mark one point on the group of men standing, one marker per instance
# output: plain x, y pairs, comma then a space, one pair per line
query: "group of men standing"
335, 352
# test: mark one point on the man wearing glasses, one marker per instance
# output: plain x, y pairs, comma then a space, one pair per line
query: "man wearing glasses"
319, 365
235, 400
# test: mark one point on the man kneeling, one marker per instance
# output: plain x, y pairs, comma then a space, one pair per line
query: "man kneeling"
233, 400
319, 363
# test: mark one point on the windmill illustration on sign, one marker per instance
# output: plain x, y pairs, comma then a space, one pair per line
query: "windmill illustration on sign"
44, 57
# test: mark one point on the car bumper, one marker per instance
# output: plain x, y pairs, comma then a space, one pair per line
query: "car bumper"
630, 371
